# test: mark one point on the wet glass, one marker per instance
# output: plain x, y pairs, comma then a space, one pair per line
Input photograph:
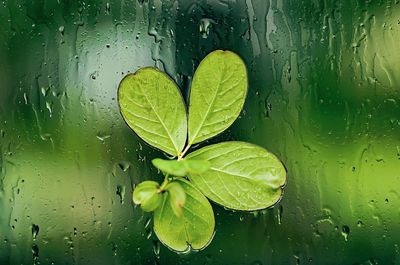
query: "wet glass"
324, 79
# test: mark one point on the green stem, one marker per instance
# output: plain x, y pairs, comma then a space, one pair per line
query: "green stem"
164, 184
181, 155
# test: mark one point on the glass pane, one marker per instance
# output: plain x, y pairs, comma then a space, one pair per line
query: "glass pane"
323, 96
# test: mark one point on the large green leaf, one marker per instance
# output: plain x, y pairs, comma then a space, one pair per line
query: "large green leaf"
153, 107
194, 229
242, 176
217, 94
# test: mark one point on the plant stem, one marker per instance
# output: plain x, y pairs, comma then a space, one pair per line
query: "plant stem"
164, 184
181, 155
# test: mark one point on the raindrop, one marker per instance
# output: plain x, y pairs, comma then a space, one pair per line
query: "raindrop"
280, 212
267, 109
147, 223
149, 233
124, 166
205, 26
35, 254
35, 231
398, 152
49, 107
345, 232
26, 99
102, 136
156, 247
121, 193
114, 249
61, 29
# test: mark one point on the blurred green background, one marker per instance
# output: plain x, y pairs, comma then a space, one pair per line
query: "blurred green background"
324, 96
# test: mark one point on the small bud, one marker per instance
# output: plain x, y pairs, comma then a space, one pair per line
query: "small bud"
147, 196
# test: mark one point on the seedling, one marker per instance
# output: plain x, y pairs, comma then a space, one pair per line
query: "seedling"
237, 175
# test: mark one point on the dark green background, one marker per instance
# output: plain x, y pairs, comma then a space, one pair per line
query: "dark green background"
324, 96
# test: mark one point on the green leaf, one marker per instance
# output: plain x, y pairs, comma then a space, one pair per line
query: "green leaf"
147, 195
194, 229
153, 107
196, 166
217, 94
180, 168
172, 167
242, 176
177, 197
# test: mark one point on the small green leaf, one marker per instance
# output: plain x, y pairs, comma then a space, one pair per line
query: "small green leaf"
153, 107
147, 195
172, 167
177, 197
196, 165
180, 168
242, 176
194, 229
217, 94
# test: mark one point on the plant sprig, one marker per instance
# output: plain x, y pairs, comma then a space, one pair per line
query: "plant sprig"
237, 175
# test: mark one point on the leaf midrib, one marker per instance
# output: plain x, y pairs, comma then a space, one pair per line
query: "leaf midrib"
161, 121
209, 108
243, 177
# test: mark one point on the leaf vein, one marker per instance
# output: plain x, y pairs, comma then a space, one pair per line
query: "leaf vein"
161, 121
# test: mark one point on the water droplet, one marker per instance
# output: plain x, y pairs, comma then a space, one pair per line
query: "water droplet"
114, 249
102, 136
35, 254
49, 107
156, 248
280, 212
398, 152
124, 166
35, 231
61, 29
26, 98
205, 26
121, 193
345, 232
147, 223
149, 233
268, 109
